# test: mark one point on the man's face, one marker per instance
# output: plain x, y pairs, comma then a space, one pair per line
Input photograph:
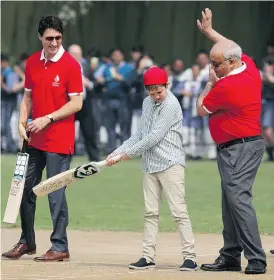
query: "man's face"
195, 71
117, 57
76, 52
202, 60
221, 66
167, 69
156, 92
51, 41
135, 56
178, 66
4, 64
270, 51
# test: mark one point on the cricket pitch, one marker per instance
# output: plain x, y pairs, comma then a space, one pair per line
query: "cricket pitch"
106, 255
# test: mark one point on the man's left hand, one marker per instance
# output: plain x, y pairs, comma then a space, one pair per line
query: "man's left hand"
38, 124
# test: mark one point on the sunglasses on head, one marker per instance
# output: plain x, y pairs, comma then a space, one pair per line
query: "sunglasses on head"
51, 38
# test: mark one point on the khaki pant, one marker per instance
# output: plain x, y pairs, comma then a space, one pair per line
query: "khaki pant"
171, 181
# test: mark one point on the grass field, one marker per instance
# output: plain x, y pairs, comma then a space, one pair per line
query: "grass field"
113, 199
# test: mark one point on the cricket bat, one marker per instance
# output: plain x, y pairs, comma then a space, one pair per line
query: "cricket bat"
68, 177
17, 186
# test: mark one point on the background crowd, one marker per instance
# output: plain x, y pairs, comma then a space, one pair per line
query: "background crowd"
113, 95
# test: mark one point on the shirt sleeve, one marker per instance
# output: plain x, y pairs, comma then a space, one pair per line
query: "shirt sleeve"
248, 61
75, 82
162, 125
135, 138
251, 65
216, 99
28, 80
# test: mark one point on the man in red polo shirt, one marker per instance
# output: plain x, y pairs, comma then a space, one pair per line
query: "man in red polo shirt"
232, 98
53, 89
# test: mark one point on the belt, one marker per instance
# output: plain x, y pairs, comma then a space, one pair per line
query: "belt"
239, 140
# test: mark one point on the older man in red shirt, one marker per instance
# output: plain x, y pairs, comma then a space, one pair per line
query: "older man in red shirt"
53, 88
232, 98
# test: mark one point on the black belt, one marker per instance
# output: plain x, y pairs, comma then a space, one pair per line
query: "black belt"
239, 140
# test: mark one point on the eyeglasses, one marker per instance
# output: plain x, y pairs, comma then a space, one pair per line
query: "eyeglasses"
51, 38
216, 64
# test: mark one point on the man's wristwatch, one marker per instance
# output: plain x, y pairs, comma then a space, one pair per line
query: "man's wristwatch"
50, 117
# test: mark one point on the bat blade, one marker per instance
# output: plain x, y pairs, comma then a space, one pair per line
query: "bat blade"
66, 178
16, 189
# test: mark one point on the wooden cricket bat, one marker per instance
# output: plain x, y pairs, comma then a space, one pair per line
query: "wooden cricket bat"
67, 177
17, 186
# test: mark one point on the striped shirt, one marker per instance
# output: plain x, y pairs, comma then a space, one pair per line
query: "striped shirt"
159, 139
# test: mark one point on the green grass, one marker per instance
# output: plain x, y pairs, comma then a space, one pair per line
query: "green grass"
113, 199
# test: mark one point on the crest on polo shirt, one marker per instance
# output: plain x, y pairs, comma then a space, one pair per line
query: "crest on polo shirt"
56, 81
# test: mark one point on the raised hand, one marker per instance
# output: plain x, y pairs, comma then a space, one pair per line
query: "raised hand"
206, 25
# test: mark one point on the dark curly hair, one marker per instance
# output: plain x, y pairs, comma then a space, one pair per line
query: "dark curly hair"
50, 22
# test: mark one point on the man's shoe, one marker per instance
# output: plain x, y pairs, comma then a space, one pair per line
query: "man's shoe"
18, 251
142, 264
53, 256
272, 252
255, 267
222, 264
189, 265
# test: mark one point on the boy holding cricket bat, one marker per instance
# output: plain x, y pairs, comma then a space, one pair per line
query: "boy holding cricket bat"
159, 140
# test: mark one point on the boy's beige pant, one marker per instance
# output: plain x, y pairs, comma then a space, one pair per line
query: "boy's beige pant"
172, 182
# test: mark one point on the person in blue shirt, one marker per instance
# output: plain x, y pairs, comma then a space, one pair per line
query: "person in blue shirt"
117, 78
8, 104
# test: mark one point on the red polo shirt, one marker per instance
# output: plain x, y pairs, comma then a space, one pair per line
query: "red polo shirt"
234, 104
51, 83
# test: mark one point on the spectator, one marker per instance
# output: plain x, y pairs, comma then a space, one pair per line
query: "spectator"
176, 79
117, 78
192, 123
167, 68
203, 62
268, 106
8, 104
270, 49
138, 91
135, 54
19, 69
86, 115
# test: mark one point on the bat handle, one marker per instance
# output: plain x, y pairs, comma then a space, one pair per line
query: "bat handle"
25, 143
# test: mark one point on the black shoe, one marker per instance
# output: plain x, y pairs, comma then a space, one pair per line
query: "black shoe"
222, 264
189, 265
142, 264
272, 252
255, 267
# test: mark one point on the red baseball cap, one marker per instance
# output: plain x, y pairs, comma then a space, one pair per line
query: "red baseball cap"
155, 76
